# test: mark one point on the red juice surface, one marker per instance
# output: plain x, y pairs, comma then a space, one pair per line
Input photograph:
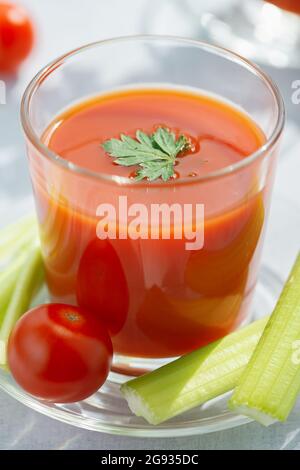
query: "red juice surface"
157, 298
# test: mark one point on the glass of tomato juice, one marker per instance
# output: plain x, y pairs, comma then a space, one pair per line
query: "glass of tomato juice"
160, 292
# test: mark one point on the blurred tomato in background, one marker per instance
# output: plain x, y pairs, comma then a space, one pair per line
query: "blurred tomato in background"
16, 36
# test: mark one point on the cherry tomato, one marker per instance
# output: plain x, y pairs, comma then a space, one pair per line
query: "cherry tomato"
59, 353
102, 286
16, 36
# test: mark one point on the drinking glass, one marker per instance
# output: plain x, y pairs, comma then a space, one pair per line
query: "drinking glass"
162, 300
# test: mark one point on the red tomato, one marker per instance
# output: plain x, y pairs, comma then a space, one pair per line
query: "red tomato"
59, 353
16, 36
102, 286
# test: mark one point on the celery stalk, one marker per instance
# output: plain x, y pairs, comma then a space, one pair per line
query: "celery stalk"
16, 245
270, 384
8, 280
17, 235
27, 283
194, 378
15, 239
18, 226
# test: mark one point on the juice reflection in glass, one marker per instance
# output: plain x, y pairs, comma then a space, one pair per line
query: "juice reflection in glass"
158, 299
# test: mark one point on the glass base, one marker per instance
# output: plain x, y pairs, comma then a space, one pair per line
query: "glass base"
257, 30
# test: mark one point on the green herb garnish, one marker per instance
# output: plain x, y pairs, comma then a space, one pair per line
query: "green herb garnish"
156, 154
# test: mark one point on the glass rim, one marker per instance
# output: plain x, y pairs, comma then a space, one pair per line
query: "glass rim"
39, 78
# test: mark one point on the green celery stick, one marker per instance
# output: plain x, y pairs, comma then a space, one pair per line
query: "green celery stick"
27, 283
15, 239
270, 384
8, 280
15, 236
13, 229
16, 227
194, 378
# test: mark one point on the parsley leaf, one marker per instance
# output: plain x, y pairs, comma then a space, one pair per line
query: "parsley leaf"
155, 153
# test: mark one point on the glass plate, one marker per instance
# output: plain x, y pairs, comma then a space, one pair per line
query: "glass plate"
107, 411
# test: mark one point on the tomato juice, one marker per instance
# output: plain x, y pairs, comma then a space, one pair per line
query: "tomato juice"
157, 298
